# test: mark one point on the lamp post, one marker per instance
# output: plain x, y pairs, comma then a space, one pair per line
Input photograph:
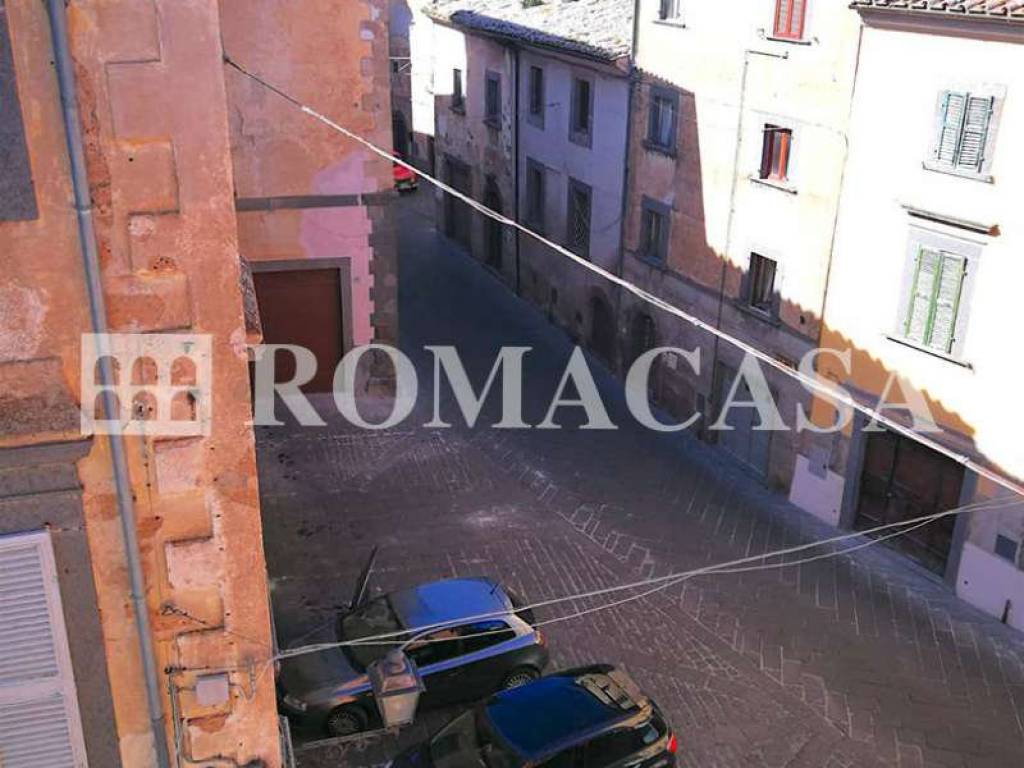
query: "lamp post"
396, 688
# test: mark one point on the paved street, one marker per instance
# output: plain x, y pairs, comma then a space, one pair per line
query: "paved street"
858, 660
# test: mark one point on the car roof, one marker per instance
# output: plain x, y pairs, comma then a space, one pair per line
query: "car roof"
546, 716
450, 600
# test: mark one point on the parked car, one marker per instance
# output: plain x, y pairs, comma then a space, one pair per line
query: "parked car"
463, 660
405, 180
590, 717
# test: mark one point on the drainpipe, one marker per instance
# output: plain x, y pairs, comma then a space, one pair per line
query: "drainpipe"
634, 86
515, 158
98, 316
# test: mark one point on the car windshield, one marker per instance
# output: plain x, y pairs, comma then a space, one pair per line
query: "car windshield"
374, 618
469, 742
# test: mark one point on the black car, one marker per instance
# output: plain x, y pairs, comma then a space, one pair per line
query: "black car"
591, 717
460, 658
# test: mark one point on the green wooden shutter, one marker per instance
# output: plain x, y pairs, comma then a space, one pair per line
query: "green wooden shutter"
975, 133
950, 129
921, 295
948, 286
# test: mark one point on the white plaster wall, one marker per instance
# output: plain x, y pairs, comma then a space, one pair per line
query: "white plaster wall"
901, 74
987, 582
806, 87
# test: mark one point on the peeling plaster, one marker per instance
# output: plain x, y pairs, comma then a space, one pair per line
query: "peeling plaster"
22, 312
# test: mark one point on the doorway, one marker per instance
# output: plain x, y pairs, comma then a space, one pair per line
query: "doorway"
602, 330
902, 479
493, 234
751, 446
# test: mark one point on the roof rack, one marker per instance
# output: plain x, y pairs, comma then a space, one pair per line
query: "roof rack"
615, 688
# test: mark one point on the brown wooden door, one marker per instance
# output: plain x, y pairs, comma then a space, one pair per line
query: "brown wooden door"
902, 480
303, 307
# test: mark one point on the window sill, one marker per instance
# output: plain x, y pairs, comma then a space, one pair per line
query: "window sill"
782, 186
580, 139
929, 351
790, 40
928, 165
651, 261
660, 149
537, 121
677, 23
458, 110
758, 314
492, 122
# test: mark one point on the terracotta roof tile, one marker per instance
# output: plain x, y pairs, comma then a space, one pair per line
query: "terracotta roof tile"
999, 9
597, 28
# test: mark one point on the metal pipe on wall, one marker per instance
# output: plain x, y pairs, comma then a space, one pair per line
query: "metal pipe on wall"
98, 318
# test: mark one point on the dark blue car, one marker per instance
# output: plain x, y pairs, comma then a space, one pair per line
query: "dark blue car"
591, 717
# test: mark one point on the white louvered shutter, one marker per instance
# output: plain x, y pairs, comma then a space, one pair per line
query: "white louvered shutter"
975, 133
920, 307
947, 302
951, 121
39, 721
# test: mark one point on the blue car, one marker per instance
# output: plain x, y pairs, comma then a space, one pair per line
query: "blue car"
590, 717
466, 659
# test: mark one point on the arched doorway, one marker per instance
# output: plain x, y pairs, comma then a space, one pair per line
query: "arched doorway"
493, 235
602, 330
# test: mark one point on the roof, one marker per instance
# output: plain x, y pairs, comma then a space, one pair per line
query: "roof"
451, 600
601, 29
999, 9
554, 712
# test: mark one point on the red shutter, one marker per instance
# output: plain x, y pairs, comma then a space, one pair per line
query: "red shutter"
789, 19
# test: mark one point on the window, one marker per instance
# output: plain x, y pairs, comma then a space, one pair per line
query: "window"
458, 102
934, 301
487, 634
492, 99
964, 131
578, 218
789, 19
761, 295
668, 10
582, 112
775, 151
1006, 548
537, 95
17, 193
535, 194
654, 223
662, 119
434, 648
622, 743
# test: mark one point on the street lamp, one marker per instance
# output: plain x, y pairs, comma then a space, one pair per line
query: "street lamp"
396, 687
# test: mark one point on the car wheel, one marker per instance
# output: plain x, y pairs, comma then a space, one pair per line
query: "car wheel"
346, 720
519, 676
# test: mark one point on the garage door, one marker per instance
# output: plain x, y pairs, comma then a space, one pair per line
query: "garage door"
749, 445
303, 307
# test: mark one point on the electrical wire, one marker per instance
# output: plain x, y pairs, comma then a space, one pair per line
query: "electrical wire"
402, 637
811, 383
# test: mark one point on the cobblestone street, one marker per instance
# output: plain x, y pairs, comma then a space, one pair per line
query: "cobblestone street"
856, 660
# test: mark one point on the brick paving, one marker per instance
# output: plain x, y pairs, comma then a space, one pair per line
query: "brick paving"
858, 660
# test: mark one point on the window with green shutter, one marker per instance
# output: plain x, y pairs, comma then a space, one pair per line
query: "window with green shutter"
936, 289
964, 132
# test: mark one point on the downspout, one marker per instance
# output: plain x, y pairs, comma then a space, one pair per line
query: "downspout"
515, 159
634, 77
98, 317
